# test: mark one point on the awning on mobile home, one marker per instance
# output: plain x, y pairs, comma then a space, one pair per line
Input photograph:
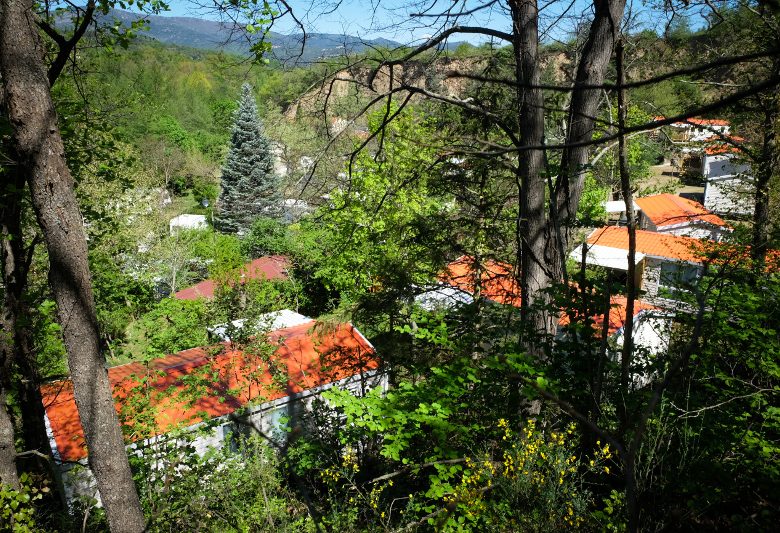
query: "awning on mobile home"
604, 256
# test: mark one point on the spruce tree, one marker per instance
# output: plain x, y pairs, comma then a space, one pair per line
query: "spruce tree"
250, 188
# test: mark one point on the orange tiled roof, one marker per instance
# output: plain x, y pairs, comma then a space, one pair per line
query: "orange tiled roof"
721, 146
682, 248
497, 280
617, 314
232, 379
669, 209
650, 243
500, 285
708, 122
272, 267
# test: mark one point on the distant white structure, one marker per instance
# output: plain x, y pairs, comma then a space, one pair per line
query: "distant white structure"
616, 211
618, 206
444, 297
722, 165
265, 322
652, 336
698, 129
294, 209
668, 213
187, 222
729, 186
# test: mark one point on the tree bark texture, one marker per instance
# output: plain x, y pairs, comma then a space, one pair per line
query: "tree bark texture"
531, 237
38, 145
8, 473
628, 198
768, 166
591, 71
17, 343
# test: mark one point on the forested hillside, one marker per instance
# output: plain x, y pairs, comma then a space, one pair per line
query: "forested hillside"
531, 284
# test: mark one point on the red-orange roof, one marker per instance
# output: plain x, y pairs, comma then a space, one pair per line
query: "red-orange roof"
271, 267
500, 285
708, 122
497, 281
669, 209
231, 379
650, 243
617, 314
682, 248
722, 146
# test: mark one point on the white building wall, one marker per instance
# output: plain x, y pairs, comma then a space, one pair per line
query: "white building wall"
652, 334
720, 165
732, 195
702, 133
645, 223
694, 229
187, 222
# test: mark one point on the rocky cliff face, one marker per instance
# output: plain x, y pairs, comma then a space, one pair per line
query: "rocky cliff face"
344, 93
348, 89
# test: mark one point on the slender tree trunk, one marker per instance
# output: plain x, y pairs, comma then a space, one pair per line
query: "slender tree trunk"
591, 71
8, 475
531, 222
37, 142
16, 342
603, 345
30, 399
628, 198
626, 357
16, 259
768, 166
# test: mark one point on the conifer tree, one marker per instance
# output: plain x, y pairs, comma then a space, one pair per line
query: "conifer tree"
250, 188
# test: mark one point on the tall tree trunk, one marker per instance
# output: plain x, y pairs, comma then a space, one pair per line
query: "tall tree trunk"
626, 357
591, 71
768, 166
531, 222
37, 142
8, 474
18, 344
628, 198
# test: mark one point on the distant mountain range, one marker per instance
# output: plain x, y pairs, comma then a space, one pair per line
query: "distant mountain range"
211, 35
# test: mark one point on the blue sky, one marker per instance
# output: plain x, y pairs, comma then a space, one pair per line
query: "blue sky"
364, 18
390, 18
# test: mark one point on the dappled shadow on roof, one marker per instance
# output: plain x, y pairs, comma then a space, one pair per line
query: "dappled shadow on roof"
204, 383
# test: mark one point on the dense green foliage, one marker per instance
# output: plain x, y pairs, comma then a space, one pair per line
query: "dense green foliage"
17, 507
225, 490
474, 433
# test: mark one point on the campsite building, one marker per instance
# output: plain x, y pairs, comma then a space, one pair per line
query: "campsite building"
664, 262
270, 268
729, 187
236, 392
675, 215
497, 283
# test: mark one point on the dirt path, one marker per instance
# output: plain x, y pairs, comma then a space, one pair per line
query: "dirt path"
665, 178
